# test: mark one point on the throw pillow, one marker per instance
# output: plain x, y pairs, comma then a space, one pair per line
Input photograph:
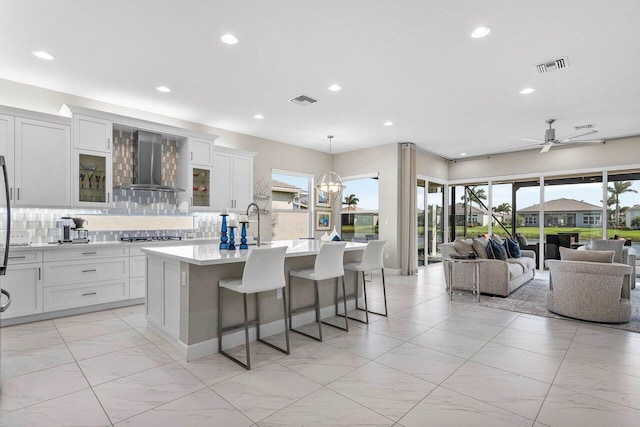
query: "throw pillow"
608, 245
567, 254
512, 247
495, 250
522, 241
463, 246
480, 247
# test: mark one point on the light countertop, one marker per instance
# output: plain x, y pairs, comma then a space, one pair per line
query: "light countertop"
211, 254
56, 246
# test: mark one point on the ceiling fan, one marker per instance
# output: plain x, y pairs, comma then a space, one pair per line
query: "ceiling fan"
551, 140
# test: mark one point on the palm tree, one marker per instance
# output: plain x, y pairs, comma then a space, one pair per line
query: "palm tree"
635, 222
474, 194
351, 200
619, 187
503, 207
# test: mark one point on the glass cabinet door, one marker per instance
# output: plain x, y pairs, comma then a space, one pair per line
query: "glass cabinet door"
92, 178
201, 188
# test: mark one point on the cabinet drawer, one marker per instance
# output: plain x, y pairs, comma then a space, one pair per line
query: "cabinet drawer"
24, 257
137, 266
70, 296
65, 273
137, 287
25, 286
86, 252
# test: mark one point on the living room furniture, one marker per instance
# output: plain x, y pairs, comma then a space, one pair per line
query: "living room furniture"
623, 254
475, 262
497, 277
592, 291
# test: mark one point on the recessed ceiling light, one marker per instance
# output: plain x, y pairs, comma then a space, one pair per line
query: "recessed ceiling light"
258, 116
163, 89
388, 123
527, 91
43, 55
463, 154
229, 39
480, 32
335, 88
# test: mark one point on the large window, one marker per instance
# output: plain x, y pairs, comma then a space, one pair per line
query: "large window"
623, 206
290, 203
469, 207
359, 213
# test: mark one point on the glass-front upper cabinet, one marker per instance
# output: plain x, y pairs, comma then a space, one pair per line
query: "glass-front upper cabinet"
92, 180
201, 179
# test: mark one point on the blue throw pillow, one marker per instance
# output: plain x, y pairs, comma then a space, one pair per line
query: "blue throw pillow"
496, 251
513, 247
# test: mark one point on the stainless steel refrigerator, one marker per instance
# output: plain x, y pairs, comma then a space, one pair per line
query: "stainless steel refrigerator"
5, 228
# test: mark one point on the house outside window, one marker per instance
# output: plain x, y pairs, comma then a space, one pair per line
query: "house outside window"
291, 212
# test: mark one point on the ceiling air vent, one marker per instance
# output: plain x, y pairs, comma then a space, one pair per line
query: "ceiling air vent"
553, 65
584, 127
303, 100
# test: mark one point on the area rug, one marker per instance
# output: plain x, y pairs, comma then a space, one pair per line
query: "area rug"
531, 299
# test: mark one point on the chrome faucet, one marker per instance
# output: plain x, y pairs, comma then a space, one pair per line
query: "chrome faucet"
258, 211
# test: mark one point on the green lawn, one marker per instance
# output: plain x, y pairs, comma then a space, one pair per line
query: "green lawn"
533, 232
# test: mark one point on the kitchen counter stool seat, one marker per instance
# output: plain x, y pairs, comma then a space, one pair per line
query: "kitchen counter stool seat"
263, 272
329, 264
372, 260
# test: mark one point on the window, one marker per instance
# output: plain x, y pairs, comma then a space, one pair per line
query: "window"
290, 203
531, 220
359, 213
592, 219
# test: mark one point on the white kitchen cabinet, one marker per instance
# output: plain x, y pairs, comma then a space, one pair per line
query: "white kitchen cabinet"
79, 277
92, 179
233, 180
201, 188
6, 142
200, 152
24, 283
91, 133
163, 295
137, 276
42, 160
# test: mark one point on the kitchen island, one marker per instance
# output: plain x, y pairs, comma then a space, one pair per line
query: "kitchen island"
182, 292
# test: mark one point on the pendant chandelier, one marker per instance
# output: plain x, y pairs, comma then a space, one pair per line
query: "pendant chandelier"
330, 182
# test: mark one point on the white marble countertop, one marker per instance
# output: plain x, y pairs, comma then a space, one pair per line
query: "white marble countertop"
211, 254
54, 246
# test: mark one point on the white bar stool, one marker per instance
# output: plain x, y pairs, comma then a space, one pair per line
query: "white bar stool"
263, 271
372, 259
329, 264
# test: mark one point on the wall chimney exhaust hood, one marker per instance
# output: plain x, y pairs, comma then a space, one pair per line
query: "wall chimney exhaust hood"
147, 163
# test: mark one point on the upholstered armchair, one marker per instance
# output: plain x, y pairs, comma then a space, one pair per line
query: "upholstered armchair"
623, 254
592, 291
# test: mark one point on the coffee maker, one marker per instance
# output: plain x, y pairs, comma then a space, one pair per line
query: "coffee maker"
73, 230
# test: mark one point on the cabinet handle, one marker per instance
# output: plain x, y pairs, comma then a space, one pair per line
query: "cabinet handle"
89, 294
18, 257
108, 142
39, 274
18, 194
89, 271
108, 197
88, 253
11, 193
191, 156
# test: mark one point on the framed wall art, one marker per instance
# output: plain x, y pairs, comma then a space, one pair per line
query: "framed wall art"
323, 220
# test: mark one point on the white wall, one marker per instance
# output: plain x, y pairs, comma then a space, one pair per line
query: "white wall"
614, 154
382, 160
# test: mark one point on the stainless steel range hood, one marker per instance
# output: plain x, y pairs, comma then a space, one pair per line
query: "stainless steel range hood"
147, 163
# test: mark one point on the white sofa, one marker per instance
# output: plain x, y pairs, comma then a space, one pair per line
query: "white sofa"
497, 277
623, 254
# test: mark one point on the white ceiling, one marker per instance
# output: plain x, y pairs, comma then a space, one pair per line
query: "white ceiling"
412, 62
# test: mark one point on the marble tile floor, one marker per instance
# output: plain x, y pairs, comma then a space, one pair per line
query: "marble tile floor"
431, 362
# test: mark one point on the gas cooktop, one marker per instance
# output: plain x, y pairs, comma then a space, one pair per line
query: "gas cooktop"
148, 238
